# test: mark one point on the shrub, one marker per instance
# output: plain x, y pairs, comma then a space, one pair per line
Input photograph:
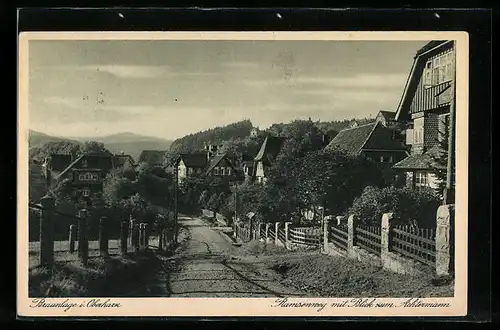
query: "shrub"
408, 206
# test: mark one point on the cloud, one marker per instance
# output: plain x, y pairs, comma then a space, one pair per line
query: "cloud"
353, 81
131, 71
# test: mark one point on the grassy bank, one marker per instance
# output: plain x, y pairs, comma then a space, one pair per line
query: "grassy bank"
116, 276
330, 276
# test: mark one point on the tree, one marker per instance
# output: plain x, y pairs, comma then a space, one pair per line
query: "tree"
116, 188
415, 207
342, 178
94, 146
439, 156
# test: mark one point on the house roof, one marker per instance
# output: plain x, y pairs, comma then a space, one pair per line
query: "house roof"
58, 162
388, 114
214, 161
198, 160
414, 77
108, 166
369, 136
420, 161
152, 156
269, 149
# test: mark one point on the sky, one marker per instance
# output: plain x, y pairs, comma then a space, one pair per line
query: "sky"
170, 88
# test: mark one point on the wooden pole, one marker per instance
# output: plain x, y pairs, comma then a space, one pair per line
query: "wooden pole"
103, 237
449, 193
124, 237
47, 232
83, 243
72, 238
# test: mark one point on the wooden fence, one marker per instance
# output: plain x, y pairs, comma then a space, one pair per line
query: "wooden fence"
416, 243
338, 235
306, 236
132, 234
271, 233
368, 238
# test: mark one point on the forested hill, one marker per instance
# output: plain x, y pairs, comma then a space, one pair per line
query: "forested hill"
217, 135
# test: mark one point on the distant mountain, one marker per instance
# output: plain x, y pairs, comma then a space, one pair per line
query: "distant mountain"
128, 143
37, 139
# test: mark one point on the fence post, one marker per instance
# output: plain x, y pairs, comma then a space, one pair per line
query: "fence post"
267, 232
124, 237
276, 233
141, 237
339, 219
146, 236
135, 236
47, 232
444, 220
103, 237
385, 236
351, 227
83, 242
326, 234
72, 238
257, 232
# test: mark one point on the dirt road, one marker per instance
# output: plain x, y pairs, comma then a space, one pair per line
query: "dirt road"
209, 266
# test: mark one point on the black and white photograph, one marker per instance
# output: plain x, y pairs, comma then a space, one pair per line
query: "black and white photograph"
281, 168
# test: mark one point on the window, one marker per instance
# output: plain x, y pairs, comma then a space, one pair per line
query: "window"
81, 177
95, 177
382, 159
418, 131
421, 179
84, 163
216, 171
222, 171
190, 170
391, 159
86, 192
439, 69
228, 171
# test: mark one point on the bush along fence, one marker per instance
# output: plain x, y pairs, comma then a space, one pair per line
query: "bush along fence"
133, 235
402, 249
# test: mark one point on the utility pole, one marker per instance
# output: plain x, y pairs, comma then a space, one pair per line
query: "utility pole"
449, 192
235, 205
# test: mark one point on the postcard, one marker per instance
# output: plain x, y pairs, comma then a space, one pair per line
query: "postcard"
227, 174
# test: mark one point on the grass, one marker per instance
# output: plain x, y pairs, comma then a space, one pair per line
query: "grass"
330, 276
116, 276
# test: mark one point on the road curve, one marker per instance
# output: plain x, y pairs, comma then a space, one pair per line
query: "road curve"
208, 267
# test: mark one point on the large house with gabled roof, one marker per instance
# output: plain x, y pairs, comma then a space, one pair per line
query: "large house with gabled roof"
424, 109
86, 172
373, 140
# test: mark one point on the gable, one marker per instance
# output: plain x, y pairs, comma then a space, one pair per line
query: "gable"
351, 140
415, 97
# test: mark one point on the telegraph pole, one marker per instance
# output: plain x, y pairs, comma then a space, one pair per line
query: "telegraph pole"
449, 192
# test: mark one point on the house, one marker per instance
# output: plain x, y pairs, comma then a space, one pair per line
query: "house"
254, 132
373, 140
191, 164
152, 157
424, 109
386, 118
266, 156
212, 162
86, 172
220, 165
353, 124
